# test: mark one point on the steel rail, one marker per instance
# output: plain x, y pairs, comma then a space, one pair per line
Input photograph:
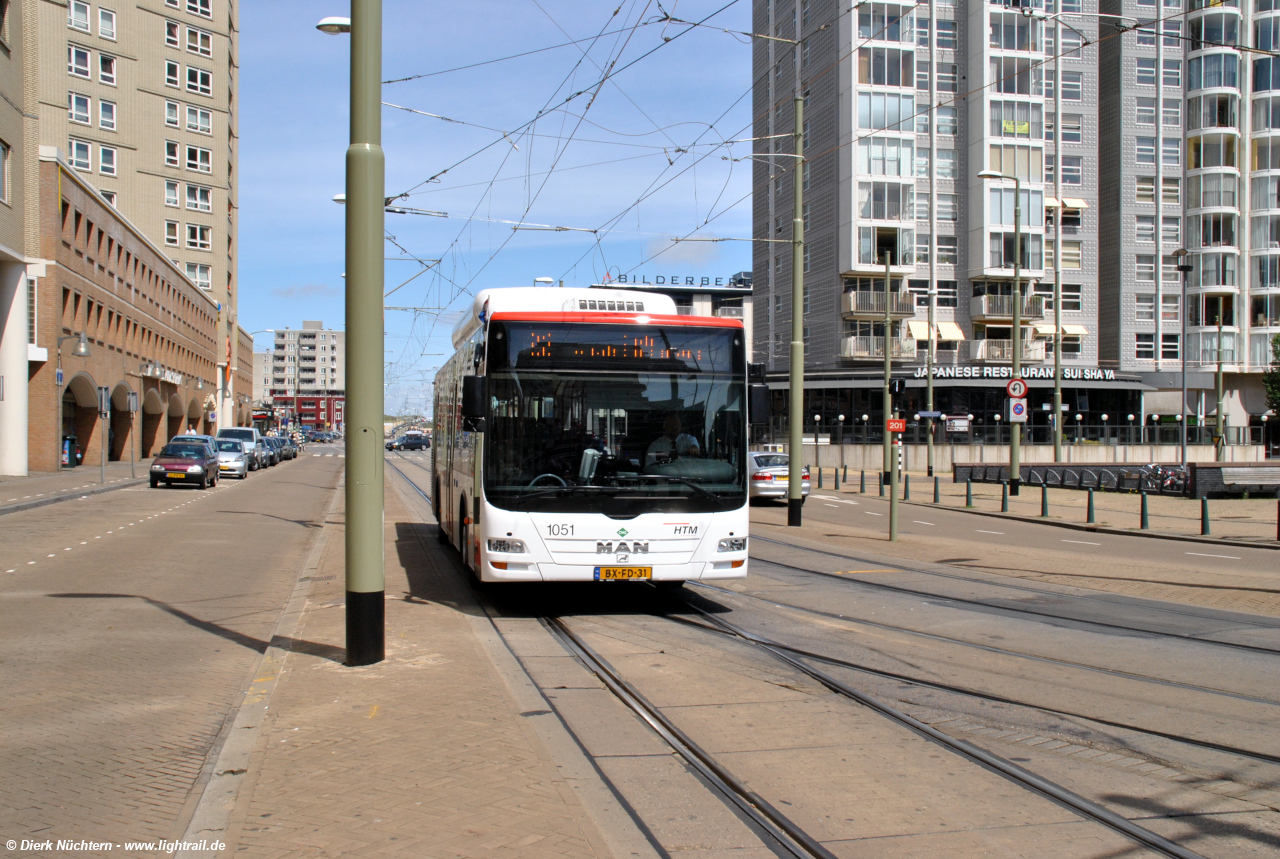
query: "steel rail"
1037, 784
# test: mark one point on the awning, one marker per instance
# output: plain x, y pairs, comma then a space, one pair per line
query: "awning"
950, 331
1045, 328
1051, 203
1074, 203
1077, 330
919, 329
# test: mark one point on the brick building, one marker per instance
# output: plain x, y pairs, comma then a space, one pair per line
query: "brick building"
150, 331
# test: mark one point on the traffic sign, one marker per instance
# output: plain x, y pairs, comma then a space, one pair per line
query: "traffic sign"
930, 414
895, 425
1018, 410
1016, 388
104, 401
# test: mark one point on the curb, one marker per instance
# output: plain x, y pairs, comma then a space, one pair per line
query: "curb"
69, 496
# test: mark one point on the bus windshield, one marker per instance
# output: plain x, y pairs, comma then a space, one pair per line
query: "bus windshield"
615, 419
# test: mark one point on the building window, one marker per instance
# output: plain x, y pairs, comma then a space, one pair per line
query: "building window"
1145, 228
948, 120
171, 31
1173, 190
1144, 308
171, 194
1025, 162
171, 233
1170, 307
107, 115
1145, 150
31, 310
203, 8
922, 75
78, 108
1073, 85
80, 154
1145, 111
199, 159
171, 113
1145, 269
1173, 72
948, 250
199, 42
200, 275
1171, 231
1072, 128
948, 207
199, 81
170, 153
922, 207
171, 73
78, 61
1171, 151
922, 248
1017, 119
199, 120
199, 198
922, 116
107, 24
78, 15
107, 160
107, 69
948, 77
1072, 170
1145, 346
1072, 301
1169, 347
947, 35
1146, 71
948, 293
5, 152
1172, 112
1145, 189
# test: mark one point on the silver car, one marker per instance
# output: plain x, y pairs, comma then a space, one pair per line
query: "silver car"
233, 459
767, 475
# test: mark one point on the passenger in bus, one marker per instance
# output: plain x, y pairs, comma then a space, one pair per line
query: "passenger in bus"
672, 443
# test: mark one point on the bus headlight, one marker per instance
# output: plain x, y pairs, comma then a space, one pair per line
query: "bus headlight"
733, 544
506, 545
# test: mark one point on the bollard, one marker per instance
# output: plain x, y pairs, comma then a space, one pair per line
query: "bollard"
1004, 496
1044, 500
1091, 520
1278, 521
968, 492
862, 483
937, 491
1204, 516
1145, 523
845, 476
881, 482
836, 478
906, 487
819, 476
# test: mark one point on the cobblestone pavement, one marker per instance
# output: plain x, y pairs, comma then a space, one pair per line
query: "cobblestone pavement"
129, 621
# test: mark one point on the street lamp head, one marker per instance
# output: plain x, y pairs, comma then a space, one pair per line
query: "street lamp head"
1130, 417
1178, 417
992, 174
1105, 416
544, 280
334, 25
866, 417
82, 347
340, 199
841, 418
817, 418
1180, 252
1079, 416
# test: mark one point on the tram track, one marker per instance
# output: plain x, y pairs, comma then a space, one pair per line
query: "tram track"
1015, 610
790, 838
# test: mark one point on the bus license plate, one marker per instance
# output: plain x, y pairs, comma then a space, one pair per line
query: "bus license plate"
616, 574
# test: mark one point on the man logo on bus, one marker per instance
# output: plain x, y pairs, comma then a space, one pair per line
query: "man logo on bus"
635, 547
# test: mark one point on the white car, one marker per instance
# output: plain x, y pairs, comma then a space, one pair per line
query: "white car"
233, 458
767, 475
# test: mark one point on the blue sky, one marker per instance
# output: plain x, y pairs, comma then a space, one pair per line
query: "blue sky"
564, 169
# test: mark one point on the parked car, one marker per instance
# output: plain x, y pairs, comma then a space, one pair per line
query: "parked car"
288, 450
253, 443
185, 462
233, 459
273, 450
767, 476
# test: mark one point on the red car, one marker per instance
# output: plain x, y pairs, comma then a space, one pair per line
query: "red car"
180, 461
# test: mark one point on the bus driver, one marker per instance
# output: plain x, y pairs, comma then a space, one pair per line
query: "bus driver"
672, 443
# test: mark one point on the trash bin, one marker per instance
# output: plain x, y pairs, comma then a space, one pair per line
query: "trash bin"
69, 451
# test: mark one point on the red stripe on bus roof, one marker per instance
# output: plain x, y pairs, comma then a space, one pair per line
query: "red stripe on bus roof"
619, 318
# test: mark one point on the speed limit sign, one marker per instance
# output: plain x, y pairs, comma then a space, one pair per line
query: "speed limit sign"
1016, 388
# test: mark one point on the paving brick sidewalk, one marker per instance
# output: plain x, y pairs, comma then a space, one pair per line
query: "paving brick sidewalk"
20, 493
1249, 519
424, 755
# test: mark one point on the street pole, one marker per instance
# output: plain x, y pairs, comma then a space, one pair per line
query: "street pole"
888, 372
1015, 428
795, 497
1183, 269
366, 199
928, 375
1057, 351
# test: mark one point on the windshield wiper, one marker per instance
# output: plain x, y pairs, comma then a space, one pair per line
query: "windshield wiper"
555, 490
682, 480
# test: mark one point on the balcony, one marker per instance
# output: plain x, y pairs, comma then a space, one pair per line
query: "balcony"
728, 312
993, 307
861, 347
902, 305
1001, 351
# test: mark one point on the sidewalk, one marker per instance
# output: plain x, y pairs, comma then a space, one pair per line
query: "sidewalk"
1251, 520
44, 487
427, 754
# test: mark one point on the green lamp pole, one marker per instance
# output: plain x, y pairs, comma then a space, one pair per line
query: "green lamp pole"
366, 198
795, 441
1015, 428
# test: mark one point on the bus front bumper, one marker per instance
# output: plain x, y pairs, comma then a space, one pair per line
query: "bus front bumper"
721, 568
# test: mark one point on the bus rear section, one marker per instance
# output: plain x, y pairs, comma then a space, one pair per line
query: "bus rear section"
607, 446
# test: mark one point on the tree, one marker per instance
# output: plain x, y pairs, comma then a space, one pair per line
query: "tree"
1271, 378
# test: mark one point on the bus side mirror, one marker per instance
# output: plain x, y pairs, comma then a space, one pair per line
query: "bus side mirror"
755, 372
473, 398
759, 404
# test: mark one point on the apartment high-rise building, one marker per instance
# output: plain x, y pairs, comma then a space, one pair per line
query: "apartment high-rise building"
909, 110
308, 372
141, 98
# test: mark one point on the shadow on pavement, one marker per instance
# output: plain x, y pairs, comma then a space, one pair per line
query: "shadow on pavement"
1211, 826
325, 651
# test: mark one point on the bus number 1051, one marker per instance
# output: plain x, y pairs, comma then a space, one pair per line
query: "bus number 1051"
559, 530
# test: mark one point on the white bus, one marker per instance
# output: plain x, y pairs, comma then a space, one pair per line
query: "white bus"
592, 434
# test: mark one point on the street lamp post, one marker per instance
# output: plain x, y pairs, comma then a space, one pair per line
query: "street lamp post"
1183, 269
80, 351
887, 398
1015, 428
366, 199
795, 441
